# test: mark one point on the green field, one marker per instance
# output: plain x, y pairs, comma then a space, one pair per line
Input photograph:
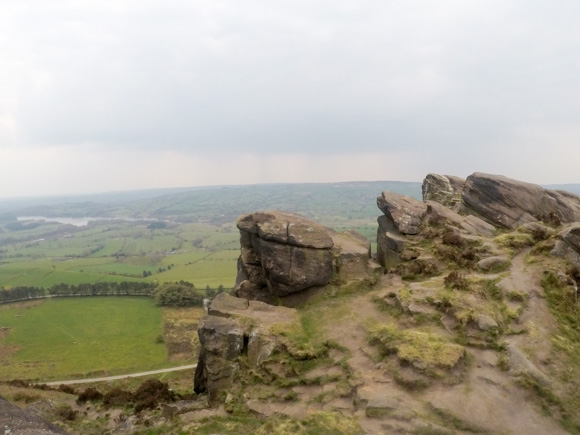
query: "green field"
194, 237
104, 251
68, 337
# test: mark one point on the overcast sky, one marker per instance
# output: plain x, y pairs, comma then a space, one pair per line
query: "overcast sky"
102, 95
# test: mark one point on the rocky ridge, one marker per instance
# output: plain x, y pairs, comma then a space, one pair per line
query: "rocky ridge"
462, 303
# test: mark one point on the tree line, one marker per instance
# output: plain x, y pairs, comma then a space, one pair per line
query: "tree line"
180, 294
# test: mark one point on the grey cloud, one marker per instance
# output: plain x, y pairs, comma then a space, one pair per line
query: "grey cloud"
312, 77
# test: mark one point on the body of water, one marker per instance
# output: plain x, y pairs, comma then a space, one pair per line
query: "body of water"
78, 222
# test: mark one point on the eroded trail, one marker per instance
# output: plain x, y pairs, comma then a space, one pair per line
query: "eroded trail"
486, 398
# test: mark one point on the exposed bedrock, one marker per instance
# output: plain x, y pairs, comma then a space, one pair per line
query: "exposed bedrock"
283, 254
14, 420
568, 245
404, 219
234, 327
405, 212
502, 201
444, 189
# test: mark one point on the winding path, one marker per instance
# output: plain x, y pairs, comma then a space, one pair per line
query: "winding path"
114, 378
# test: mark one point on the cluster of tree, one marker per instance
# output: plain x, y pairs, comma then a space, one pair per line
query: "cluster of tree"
178, 294
163, 269
21, 293
183, 294
93, 289
125, 288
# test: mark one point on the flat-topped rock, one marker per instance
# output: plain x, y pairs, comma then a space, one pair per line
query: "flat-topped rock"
286, 228
261, 313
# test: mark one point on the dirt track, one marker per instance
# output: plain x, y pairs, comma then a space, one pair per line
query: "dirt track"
113, 378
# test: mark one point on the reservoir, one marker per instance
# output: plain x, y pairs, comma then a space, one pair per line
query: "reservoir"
80, 221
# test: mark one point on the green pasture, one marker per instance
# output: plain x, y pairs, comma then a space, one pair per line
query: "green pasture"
212, 269
73, 337
202, 248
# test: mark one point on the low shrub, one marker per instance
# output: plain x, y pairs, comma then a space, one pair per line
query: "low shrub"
90, 394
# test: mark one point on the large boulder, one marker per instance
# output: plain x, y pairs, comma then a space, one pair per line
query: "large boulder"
405, 212
501, 201
507, 203
568, 245
283, 254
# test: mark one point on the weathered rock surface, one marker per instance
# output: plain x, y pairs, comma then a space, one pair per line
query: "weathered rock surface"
470, 224
16, 421
234, 327
520, 363
444, 189
283, 254
507, 203
501, 201
390, 243
571, 236
352, 256
222, 342
405, 212
491, 263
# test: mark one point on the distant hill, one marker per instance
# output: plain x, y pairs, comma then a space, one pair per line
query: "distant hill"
220, 203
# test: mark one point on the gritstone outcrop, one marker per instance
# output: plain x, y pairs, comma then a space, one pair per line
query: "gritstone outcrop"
283, 254
501, 201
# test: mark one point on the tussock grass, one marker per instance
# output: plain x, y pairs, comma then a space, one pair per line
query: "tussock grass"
423, 350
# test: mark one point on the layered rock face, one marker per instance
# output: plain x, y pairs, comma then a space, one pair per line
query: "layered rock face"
475, 206
234, 327
501, 201
444, 189
284, 253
